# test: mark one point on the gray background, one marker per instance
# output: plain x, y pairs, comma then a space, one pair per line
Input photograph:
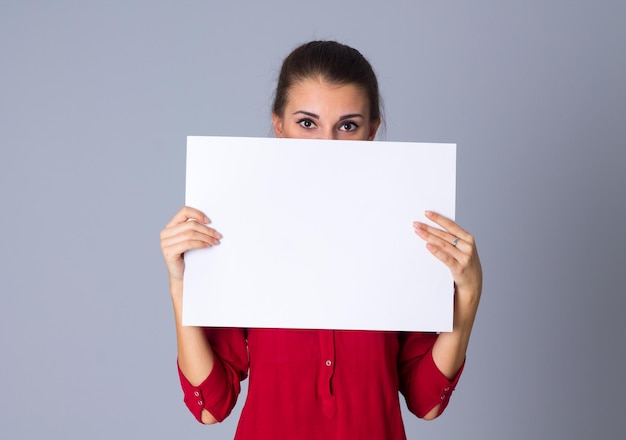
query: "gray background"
96, 99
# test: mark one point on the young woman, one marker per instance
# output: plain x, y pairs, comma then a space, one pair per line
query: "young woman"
310, 384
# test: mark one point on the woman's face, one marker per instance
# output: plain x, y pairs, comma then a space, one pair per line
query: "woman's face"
316, 109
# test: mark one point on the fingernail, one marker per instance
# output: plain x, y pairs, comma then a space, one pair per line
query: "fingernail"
206, 220
428, 213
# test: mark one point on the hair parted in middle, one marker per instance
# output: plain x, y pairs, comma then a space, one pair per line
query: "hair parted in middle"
330, 61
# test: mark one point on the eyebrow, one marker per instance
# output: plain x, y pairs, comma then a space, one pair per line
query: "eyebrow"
343, 118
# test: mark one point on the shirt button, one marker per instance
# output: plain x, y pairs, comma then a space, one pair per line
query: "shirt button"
196, 393
443, 397
446, 389
328, 363
200, 402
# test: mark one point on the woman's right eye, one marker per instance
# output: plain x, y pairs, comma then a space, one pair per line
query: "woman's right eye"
306, 123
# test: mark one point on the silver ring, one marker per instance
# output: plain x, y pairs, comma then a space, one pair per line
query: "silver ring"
455, 241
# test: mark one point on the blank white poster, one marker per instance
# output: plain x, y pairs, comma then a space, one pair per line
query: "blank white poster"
318, 234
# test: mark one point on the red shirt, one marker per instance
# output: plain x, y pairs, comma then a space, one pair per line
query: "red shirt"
320, 384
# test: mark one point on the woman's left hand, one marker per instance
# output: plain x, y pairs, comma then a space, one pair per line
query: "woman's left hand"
456, 248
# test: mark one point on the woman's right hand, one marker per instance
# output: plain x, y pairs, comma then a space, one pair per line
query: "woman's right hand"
187, 230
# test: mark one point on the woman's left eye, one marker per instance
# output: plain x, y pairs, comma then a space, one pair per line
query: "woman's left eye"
348, 126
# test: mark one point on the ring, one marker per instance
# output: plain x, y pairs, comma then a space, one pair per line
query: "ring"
455, 241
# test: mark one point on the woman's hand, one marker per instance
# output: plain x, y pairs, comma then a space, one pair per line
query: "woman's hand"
187, 230
456, 248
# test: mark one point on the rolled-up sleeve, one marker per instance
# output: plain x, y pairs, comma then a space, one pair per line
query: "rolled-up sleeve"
219, 391
422, 384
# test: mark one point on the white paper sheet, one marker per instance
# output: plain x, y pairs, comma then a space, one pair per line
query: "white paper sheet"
318, 234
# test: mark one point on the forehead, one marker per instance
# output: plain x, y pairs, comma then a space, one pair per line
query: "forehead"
319, 93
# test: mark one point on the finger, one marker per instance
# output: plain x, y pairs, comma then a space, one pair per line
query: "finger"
209, 241
448, 225
185, 232
189, 226
188, 213
443, 235
176, 250
445, 257
441, 240
465, 272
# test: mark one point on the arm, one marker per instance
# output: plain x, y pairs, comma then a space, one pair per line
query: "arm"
209, 381
456, 248
195, 356
425, 388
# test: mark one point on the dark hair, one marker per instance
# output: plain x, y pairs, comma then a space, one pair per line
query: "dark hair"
333, 62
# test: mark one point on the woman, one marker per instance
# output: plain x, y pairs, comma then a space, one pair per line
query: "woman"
323, 383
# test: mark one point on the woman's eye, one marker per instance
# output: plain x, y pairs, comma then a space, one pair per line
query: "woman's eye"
348, 126
306, 123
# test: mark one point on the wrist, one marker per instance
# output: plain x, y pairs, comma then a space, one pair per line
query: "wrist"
465, 309
176, 290
466, 297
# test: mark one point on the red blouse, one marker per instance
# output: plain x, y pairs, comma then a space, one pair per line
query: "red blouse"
312, 384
